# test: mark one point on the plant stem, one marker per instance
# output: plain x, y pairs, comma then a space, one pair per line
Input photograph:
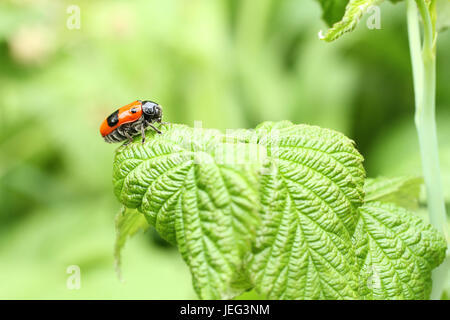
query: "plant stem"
424, 75
415, 52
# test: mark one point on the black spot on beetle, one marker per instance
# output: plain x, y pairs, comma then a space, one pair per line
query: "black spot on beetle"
113, 119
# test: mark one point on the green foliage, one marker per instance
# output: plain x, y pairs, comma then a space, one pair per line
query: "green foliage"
309, 211
396, 250
355, 9
332, 10
403, 191
128, 223
396, 253
193, 198
280, 210
353, 13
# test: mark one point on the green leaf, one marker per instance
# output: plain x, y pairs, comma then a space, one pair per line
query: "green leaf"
200, 192
353, 13
279, 209
396, 253
403, 191
310, 194
333, 10
355, 9
128, 223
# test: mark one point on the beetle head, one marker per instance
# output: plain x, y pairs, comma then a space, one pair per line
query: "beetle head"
151, 110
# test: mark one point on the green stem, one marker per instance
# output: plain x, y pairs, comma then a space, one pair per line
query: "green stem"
415, 52
424, 75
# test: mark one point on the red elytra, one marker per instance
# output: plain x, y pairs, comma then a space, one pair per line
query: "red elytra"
129, 113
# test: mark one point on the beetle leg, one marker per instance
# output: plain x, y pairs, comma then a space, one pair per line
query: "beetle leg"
130, 138
154, 128
143, 133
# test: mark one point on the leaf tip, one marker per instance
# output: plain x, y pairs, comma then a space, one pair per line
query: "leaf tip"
321, 35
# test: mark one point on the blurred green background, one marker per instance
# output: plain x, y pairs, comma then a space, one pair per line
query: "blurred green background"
228, 63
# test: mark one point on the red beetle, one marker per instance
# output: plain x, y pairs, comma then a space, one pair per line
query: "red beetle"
131, 120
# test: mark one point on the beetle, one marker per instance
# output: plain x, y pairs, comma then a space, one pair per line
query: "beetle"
131, 120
